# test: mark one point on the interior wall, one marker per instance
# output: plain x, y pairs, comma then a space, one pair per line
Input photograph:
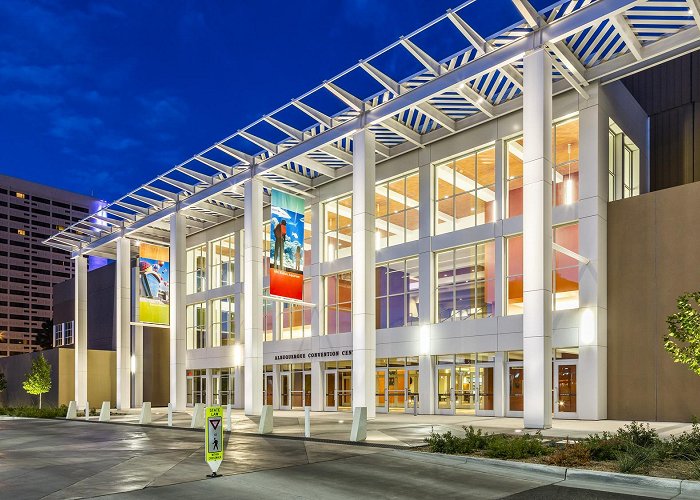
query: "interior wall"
653, 240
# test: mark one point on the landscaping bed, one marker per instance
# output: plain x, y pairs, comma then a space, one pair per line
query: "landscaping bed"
33, 412
632, 449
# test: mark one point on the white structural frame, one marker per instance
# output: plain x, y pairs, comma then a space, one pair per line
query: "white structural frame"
572, 44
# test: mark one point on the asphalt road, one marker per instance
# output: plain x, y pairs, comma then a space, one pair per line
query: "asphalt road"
56, 459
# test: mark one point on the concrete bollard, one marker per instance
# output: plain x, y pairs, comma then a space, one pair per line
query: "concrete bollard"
229, 425
104, 412
145, 417
170, 414
72, 410
266, 420
198, 417
87, 410
359, 424
307, 422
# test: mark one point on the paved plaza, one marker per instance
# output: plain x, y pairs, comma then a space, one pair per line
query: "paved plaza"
59, 459
396, 429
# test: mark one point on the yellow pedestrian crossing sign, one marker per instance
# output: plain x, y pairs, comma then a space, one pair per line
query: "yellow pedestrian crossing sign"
214, 438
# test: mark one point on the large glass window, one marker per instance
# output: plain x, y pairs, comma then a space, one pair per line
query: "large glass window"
68, 333
222, 261
565, 283
308, 235
397, 210
222, 322
338, 228
466, 282
623, 165
338, 303
197, 269
268, 315
465, 191
197, 326
565, 291
514, 177
397, 293
565, 140
514, 274
295, 318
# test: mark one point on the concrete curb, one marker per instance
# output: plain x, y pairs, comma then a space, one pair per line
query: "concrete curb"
624, 480
551, 471
690, 488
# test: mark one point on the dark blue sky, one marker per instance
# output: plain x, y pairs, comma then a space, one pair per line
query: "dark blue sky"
99, 97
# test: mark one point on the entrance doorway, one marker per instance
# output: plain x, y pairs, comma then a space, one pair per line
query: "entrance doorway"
516, 384
196, 387
465, 384
337, 377
397, 384
268, 385
564, 383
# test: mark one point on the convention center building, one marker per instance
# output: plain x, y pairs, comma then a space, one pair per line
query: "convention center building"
496, 224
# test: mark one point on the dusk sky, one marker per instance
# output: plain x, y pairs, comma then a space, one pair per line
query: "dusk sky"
100, 97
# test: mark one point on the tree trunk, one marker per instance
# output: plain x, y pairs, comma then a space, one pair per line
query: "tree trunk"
40, 401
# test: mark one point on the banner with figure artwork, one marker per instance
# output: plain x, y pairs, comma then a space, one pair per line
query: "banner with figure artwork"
287, 246
154, 287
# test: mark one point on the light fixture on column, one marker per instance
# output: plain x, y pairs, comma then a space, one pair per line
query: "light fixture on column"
237, 355
133, 364
569, 183
425, 340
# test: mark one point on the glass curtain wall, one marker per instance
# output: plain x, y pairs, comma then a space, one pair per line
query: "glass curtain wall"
396, 210
338, 306
222, 261
295, 319
338, 228
465, 193
397, 300
197, 326
222, 321
197, 269
466, 282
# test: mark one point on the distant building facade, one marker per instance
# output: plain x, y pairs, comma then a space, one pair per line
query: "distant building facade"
29, 213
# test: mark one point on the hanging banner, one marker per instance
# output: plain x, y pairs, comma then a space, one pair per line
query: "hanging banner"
154, 289
287, 246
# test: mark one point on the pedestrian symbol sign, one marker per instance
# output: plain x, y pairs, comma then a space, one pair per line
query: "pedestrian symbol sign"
214, 438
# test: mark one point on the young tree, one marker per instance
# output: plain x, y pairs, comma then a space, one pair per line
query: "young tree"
38, 380
683, 338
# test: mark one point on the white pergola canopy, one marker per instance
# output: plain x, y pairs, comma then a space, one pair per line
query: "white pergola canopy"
588, 41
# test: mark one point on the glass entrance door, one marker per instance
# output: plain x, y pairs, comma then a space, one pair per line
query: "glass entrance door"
330, 402
268, 387
485, 390
465, 389
515, 390
565, 389
215, 389
344, 390
285, 391
381, 399
445, 390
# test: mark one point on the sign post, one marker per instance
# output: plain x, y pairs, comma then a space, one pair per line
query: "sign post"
214, 439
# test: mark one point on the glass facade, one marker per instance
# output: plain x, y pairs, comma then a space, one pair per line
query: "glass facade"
396, 210
338, 303
197, 269
565, 158
338, 228
397, 293
222, 322
197, 326
222, 262
465, 282
295, 319
623, 165
465, 193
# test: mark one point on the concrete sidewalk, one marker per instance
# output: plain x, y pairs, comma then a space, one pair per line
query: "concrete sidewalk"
396, 429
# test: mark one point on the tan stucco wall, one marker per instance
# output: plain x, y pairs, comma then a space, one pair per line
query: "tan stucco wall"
102, 369
653, 249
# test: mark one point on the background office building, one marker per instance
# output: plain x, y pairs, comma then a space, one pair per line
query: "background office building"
30, 213
492, 231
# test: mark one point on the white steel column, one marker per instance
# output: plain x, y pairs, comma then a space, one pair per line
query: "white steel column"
499, 384
252, 285
313, 268
537, 239
593, 189
364, 334
80, 331
122, 316
178, 291
426, 273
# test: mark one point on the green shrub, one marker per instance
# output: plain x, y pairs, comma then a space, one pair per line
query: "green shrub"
636, 458
603, 447
571, 455
33, 412
686, 444
516, 447
449, 443
639, 434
